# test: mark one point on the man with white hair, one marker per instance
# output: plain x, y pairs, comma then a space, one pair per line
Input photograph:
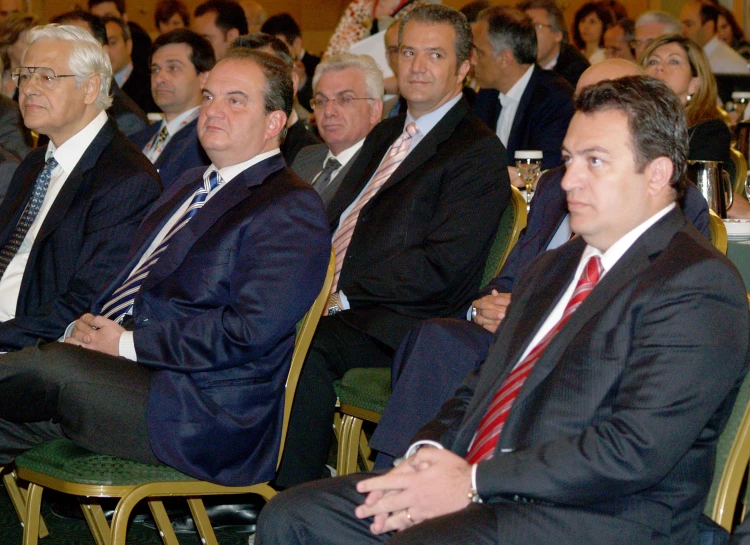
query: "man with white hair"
651, 25
348, 103
72, 207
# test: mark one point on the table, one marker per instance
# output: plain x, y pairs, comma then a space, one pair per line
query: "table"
739, 254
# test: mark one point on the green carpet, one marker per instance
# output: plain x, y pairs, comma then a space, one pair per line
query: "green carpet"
75, 532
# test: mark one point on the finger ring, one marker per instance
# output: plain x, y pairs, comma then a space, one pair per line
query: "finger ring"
408, 515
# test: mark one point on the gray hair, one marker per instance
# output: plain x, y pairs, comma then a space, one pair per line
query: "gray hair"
87, 56
671, 25
364, 63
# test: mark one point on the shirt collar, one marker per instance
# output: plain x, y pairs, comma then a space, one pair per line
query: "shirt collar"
71, 151
711, 46
181, 120
122, 76
229, 173
428, 121
345, 156
553, 62
516, 92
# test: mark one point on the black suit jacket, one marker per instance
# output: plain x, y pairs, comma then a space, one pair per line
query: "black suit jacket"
297, 137
84, 238
419, 247
215, 318
571, 64
619, 418
182, 153
129, 117
138, 87
541, 119
305, 93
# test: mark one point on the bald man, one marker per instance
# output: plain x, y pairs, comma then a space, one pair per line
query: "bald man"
437, 354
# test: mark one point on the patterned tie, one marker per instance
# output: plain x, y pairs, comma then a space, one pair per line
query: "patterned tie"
321, 182
152, 149
393, 158
28, 216
123, 297
483, 446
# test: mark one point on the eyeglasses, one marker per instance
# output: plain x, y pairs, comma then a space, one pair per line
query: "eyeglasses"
540, 26
635, 44
341, 101
47, 77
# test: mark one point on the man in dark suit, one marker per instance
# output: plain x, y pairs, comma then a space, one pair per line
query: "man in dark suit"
553, 50
14, 136
73, 206
141, 39
348, 103
529, 108
412, 226
179, 67
596, 415
225, 264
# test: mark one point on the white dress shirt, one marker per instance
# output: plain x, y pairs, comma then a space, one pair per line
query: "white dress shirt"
173, 127
509, 103
723, 59
67, 157
122, 76
343, 158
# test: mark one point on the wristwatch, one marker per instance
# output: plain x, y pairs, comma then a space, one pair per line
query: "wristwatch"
333, 304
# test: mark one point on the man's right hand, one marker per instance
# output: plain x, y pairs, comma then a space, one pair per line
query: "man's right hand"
491, 310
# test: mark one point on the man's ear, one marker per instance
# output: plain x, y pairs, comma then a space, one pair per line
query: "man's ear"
203, 77
231, 35
275, 123
295, 82
659, 172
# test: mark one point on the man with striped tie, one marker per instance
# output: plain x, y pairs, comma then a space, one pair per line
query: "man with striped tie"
595, 416
183, 359
412, 222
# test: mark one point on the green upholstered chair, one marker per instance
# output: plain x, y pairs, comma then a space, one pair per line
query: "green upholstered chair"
65, 467
363, 392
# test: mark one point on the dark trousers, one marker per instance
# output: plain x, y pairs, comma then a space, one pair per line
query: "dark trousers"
431, 363
336, 348
59, 390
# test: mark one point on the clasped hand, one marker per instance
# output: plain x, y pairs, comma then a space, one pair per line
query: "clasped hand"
97, 333
491, 310
431, 483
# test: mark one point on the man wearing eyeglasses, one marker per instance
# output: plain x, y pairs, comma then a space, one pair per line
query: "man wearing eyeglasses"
73, 206
348, 103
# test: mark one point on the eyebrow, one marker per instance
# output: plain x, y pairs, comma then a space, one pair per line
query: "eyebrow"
591, 149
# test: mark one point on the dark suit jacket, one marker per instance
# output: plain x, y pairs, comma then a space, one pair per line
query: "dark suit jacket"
215, 318
419, 247
183, 151
541, 119
8, 165
138, 87
619, 418
571, 64
305, 93
129, 117
297, 137
310, 161
85, 236
14, 136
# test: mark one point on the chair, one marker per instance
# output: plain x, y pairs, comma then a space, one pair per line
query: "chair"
364, 392
65, 467
718, 232
740, 169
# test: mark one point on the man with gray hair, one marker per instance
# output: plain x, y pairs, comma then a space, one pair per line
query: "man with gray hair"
72, 207
348, 103
651, 25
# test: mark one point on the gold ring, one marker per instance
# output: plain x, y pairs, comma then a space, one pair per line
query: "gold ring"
408, 515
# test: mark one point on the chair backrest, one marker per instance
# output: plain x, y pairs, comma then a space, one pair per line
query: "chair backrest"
718, 232
511, 224
732, 457
740, 171
305, 332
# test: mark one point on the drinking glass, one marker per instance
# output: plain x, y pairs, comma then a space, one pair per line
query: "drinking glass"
529, 165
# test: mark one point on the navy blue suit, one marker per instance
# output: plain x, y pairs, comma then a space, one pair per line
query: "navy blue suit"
182, 152
436, 355
542, 117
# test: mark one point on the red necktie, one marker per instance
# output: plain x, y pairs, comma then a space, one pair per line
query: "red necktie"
483, 446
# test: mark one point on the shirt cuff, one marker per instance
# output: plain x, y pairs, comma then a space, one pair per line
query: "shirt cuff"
68, 332
127, 346
343, 301
474, 477
468, 313
419, 444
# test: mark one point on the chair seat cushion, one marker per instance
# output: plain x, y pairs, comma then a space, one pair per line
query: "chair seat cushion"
368, 388
66, 461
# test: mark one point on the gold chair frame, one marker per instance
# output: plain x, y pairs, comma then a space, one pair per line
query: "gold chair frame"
740, 166
192, 490
718, 232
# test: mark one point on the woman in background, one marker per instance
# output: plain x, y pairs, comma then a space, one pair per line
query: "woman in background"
589, 24
171, 14
13, 32
730, 32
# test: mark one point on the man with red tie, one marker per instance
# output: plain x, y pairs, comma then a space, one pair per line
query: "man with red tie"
595, 417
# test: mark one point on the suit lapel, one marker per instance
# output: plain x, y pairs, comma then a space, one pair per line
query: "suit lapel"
15, 201
181, 135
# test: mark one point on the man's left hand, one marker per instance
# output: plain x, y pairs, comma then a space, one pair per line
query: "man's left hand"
431, 483
97, 333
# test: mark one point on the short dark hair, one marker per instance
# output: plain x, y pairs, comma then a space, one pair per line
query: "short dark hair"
201, 52
229, 14
279, 92
511, 29
555, 14
165, 9
709, 12
119, 4
438, 14
283, 24
737, 33
656, 120
601, 11
472, 9
122, 24
96, 26
259, 40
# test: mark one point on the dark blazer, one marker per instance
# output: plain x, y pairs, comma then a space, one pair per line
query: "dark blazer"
85, 236
129, 117
183, 151
541, 119
310, 161
14, 136
710, 141
570, 64
215, 318
297, 137
8, 165
305, 93
138, 87
420, 245
619, 418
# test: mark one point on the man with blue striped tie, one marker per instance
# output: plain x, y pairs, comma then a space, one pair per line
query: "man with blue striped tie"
187, 349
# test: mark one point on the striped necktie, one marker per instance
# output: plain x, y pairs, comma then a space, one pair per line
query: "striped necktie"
123, 298
392, 160
28, 216
488, 433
